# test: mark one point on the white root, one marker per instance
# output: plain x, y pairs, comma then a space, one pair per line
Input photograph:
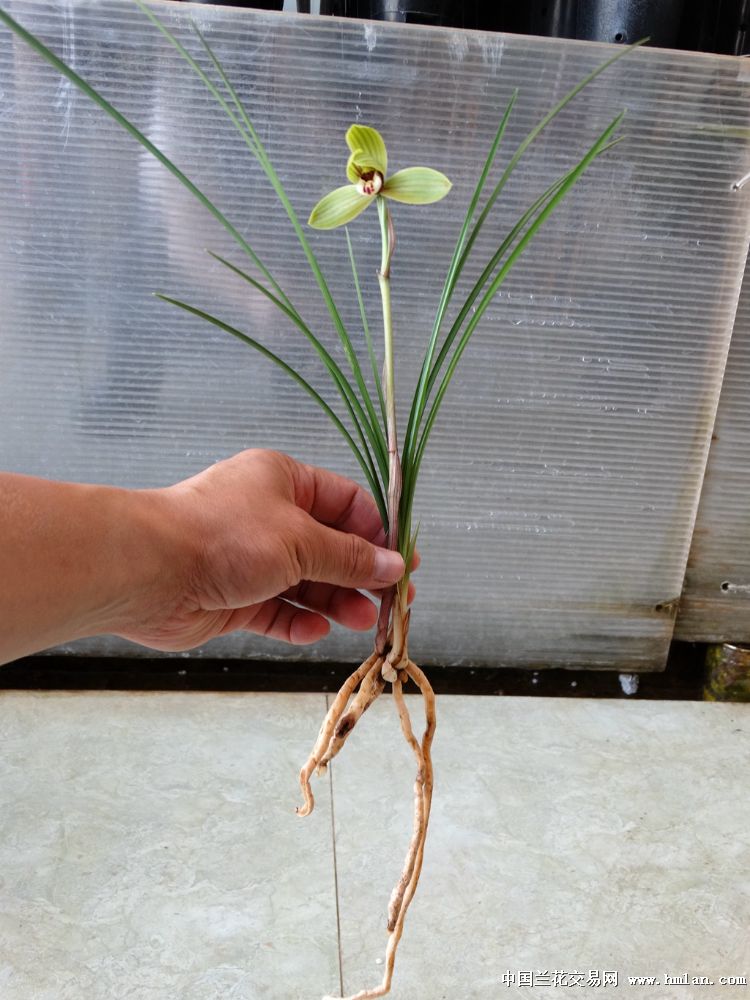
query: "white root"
394, 906
371, 687
406, 886
326, 731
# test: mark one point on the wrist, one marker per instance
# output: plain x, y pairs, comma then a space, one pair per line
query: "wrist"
150, 561
80, 560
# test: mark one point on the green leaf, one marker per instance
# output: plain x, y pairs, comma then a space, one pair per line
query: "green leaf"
511, 236
371, 479
417, 186
550, 116
250, 136
366, 329
463, 250
368, 148
348, 396
419, 398
411, 547
601, 145
252, 139
41, 49
339, 207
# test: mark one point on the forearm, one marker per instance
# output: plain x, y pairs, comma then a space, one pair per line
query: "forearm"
73, 558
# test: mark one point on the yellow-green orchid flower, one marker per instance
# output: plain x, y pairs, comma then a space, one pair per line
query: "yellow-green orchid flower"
367, 171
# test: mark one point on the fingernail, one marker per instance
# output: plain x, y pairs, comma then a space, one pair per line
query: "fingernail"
389, 566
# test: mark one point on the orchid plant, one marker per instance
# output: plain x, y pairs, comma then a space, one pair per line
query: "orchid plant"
389, 464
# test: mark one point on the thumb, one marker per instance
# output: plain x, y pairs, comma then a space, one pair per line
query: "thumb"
348, 560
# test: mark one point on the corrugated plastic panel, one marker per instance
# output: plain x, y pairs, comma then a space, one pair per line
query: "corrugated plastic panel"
715, 604
559, 497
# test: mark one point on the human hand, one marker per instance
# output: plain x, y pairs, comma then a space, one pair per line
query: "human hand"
264, 544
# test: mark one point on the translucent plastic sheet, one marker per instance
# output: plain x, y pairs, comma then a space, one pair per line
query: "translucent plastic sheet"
559, 493
715, 605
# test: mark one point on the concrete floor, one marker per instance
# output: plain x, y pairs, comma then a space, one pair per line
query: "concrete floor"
149, 849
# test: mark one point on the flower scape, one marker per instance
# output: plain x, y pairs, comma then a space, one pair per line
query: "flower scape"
366, 418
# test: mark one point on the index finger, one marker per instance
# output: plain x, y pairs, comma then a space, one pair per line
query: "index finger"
337, 502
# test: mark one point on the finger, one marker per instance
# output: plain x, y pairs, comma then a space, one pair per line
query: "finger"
278, 619
416, 562
326, 555
337, 502
347, 607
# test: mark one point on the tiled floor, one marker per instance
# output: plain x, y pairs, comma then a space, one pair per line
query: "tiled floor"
149, 849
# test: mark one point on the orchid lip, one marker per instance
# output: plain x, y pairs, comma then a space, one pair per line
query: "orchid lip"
370, 182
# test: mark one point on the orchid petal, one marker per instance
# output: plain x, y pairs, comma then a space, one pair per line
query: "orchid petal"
351, 170
417, 186
338, 207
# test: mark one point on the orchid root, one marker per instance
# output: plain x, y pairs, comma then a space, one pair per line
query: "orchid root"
395, 666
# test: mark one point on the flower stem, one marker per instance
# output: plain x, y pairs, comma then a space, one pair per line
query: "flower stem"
388, 241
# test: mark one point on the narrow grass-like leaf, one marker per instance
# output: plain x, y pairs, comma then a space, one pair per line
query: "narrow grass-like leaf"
464, 247
492, 264
484, 276
366, 327
41, 49
544, 203
411, 548
601, 144
197, 69
333, 369
407, 466
436, 372
417, 407
372, 426
247, 131
550, 116
368, 472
